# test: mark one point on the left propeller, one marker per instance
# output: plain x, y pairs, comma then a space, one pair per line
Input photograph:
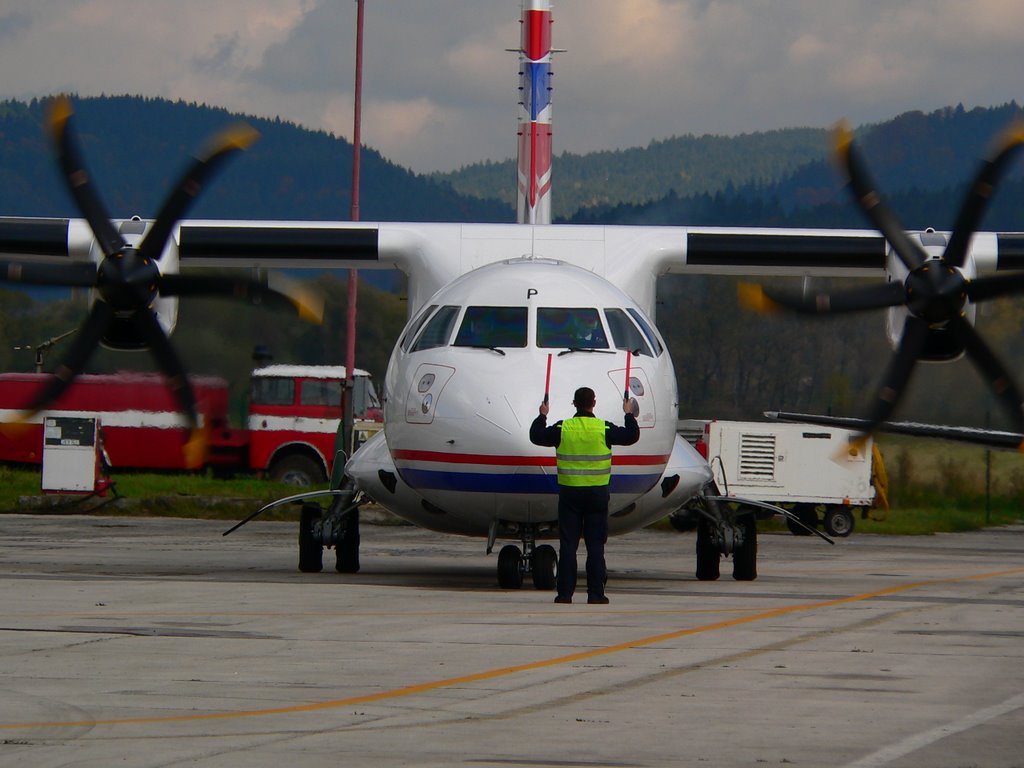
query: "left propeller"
128, 280
934, 292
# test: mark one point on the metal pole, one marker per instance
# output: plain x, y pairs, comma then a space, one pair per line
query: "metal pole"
353, 275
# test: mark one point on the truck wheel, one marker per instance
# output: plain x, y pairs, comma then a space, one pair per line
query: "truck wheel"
838, 521
744, 557
296, 469
807, 515
346, 553
709, 560
311, 551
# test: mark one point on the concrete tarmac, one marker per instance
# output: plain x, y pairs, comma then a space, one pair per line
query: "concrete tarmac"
157, 642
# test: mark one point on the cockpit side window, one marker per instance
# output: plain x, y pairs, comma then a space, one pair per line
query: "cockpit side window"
574, 327
492, 327
415, 326
625, 334
648, 331
438, 330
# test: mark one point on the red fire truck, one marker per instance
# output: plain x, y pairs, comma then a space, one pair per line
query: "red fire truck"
294, 413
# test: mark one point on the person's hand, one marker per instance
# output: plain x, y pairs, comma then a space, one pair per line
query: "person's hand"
627, 405
544, 409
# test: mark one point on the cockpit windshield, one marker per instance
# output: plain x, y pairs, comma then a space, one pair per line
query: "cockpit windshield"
492, 327
625, 334
573, 328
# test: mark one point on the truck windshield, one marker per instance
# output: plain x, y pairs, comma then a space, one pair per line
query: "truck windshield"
320, 392
272, 390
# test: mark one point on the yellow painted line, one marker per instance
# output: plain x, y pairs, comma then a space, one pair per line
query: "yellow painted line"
450, 682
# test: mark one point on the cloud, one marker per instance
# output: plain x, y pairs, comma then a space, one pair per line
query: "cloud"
440, 89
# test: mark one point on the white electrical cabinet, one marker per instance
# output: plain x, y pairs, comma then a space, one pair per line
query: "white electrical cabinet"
70, 454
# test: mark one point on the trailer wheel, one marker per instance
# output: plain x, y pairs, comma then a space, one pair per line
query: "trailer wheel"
311, 551
838, 521
683, 520
709, 560
744, 557
807, 515
296, 469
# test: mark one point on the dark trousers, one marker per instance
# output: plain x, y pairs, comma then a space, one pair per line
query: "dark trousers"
582, 512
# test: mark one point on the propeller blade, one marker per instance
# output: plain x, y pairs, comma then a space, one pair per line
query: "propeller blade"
981, 192
915, 334
82, 347
992, 287
79, 274
870, 200
177, 203
168, 362
996, 376
79, 184
855, 300
276, 290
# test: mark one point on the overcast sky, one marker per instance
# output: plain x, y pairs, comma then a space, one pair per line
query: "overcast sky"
440, 90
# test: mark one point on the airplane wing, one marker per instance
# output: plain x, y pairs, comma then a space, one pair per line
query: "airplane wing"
975, 435
434, 254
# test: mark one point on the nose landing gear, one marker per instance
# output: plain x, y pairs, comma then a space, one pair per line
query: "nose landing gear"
514, 564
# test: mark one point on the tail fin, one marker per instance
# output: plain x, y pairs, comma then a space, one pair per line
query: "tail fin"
534, 197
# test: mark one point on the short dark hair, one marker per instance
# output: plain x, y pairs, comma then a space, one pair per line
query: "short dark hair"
584, 398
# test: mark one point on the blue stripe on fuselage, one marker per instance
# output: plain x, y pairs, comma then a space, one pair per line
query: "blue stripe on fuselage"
480, 482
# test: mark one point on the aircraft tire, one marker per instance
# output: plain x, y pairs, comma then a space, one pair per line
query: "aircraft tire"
510, 571
311, 551
744, 558
808, 516
709, 560
544, 567
346, 553
838, 521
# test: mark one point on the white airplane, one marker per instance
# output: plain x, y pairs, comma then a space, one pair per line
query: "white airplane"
502, 316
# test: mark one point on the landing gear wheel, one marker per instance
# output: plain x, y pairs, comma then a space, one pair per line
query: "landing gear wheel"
346, 553
543, 567
297, 470
708, 558
311, 551
838, 521
807, 515
744, 557
510, 570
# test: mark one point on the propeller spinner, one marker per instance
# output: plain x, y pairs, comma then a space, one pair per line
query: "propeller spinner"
128, 280
934, 293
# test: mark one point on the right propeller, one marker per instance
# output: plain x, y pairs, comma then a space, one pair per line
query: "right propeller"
934, 292
128, 279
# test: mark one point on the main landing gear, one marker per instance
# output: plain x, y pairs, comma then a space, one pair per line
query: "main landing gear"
338, 527
540, 563
723, 530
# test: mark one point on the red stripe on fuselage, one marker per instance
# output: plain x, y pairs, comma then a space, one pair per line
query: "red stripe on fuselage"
530, 461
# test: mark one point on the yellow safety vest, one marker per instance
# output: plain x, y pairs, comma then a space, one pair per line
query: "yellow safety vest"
583, 457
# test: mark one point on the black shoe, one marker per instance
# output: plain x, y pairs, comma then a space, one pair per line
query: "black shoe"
560, 599
598, 600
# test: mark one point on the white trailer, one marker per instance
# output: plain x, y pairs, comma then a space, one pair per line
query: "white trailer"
815, 471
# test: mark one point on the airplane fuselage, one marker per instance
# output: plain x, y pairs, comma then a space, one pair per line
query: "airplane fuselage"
466, 380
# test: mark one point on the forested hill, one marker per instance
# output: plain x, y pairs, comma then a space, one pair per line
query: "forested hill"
784, 177
923, 164
136, 148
